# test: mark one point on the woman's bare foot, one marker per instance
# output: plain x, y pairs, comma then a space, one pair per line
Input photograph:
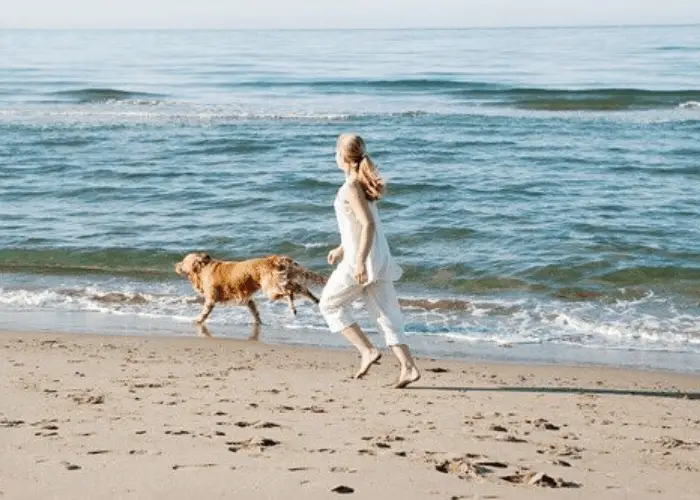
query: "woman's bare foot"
407, 377
373, 355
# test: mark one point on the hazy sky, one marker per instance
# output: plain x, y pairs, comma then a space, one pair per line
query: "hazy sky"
254, 14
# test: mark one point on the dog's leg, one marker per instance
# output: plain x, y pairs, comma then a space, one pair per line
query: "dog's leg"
254, 311
204, 331
290, 299
255, 332
302, 290
206, 311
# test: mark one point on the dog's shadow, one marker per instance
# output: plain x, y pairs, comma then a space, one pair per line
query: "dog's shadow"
254, 333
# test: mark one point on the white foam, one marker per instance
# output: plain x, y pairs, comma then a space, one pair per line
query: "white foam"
157, 113
649, 323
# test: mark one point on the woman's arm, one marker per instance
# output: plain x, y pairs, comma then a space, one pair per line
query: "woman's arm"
336, 254
360, 207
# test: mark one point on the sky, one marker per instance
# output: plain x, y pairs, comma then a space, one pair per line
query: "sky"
340, 14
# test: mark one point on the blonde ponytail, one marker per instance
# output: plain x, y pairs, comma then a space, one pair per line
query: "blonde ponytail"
370, 180
354, 152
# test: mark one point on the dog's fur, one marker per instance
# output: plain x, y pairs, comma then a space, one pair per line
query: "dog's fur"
236, 281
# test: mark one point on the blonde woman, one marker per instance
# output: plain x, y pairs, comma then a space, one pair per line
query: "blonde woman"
367, 269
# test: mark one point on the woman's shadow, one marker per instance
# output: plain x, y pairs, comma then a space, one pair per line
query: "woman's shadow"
254, 333
691, 395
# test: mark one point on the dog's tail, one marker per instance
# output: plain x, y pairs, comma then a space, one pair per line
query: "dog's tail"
294, 271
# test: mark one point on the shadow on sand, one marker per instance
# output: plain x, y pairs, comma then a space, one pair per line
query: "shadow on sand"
567, 390
255, 336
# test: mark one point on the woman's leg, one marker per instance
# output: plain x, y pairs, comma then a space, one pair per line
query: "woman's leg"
409, 371
369, 353
336, 306
384, 307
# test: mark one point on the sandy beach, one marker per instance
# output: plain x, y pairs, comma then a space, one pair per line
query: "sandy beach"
87, 416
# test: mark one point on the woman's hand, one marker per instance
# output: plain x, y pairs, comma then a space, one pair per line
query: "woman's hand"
360, 273
335, 255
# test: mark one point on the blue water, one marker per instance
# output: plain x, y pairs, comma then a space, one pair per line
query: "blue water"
542, 182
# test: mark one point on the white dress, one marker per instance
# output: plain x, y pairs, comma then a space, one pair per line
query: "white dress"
380, 264
382, 270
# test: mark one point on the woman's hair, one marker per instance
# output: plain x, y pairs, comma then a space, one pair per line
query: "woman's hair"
354, 152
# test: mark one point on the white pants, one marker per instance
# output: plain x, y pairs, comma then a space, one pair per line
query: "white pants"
382, 304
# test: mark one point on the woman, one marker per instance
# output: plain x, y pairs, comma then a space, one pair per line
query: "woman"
367, 268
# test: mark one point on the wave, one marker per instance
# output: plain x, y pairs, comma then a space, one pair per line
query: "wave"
120, 112
638, 325
679, 48
141, 264
610, 99
427, 85
102, 95
118, 298
647, 275
118, 103
486, 93
478, 93
117, 114
122, 262
598, 281
438, 304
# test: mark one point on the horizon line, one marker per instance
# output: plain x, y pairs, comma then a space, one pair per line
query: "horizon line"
408, 28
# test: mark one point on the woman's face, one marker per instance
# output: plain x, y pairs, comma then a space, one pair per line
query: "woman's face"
339, 160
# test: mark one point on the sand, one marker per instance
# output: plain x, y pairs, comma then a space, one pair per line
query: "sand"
181, 418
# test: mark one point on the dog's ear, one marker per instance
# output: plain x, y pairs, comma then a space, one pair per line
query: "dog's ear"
202, 260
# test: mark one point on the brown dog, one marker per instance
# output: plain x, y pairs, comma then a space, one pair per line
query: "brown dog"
236, 281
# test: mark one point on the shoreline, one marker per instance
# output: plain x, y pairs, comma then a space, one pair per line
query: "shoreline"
133, 417
434, 346
346, 352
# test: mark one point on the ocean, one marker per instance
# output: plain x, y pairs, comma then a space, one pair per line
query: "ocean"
542, 183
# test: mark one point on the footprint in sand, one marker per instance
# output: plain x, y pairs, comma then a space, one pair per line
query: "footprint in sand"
88, 399
498, 428
11, 423
561, 463
177, 466
313, 409
257, 425
539, 479
669, 442
177, 433
512, 439
343, 490
437, 370
543, 423
343, 470
256, 443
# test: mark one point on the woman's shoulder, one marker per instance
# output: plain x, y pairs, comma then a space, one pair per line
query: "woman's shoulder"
353, 185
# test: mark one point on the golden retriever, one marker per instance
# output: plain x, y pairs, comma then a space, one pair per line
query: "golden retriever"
237, 281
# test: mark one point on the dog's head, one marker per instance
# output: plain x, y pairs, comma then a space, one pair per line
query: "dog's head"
192, 263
